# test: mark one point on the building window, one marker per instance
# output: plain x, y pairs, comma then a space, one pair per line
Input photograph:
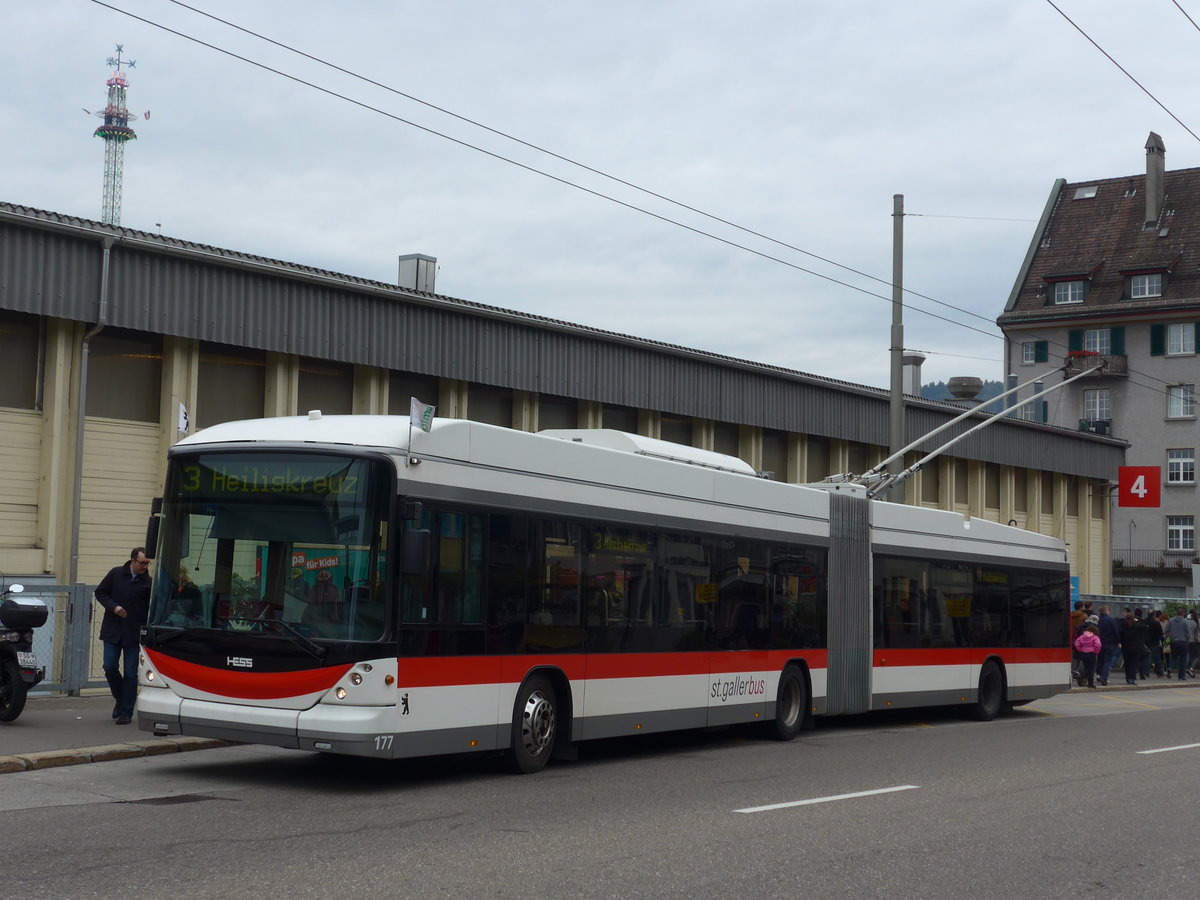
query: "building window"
1181, 338
620, 418
1068, 292
1035, 352
1098, 340
403, 386
725, 438
324, 385
124, 375
557, 412
676, 429
20, 348
231, 384
1181, 466
492, 405
1096, 405
1142, 286
1181, 401
1181, 533
774, 453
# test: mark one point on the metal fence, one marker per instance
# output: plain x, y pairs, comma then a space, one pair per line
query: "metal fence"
68, 644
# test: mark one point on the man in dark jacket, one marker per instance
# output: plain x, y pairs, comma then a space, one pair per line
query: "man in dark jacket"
1110, 641
125, 595
1154, 642
1133, 645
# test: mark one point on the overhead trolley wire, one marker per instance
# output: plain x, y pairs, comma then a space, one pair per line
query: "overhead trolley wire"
564, 181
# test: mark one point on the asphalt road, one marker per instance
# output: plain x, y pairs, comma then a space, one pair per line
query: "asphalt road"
1082, 795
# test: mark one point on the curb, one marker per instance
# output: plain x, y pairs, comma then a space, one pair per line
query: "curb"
52, 759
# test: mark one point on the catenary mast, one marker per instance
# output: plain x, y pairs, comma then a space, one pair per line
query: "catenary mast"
116, 132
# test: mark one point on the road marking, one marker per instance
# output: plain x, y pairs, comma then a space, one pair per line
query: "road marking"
1169, 749
1111, 698
888, 790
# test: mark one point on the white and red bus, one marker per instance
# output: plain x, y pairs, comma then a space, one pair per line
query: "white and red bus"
353, 585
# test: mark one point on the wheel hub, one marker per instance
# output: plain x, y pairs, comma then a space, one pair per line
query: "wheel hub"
537, 724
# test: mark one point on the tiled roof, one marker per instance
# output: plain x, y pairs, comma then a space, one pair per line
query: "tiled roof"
1105, 237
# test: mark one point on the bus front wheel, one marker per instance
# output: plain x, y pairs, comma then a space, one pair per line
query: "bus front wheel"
535, 726
990, 698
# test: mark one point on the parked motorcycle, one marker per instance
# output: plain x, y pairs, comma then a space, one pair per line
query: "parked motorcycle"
19, 670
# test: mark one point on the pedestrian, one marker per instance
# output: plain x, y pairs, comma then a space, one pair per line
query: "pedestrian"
1193, 644
1078, 620
1087, 645
1144, 665
125, 595
1154, 643
1180, 630
1110, 640
1133, 645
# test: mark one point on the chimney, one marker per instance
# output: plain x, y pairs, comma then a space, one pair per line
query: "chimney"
912, 372
1155, 164
417, 272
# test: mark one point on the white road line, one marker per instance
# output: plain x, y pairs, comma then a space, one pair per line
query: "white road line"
889, 790
1169, 749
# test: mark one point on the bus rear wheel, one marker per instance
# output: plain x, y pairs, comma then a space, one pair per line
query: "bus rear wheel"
990, 697
791, 704
535, 726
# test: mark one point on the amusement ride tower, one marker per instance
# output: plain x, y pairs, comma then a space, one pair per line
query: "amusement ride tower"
116, 132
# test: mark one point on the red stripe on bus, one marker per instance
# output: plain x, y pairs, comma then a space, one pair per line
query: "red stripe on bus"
247, 685
432, 671
960, 656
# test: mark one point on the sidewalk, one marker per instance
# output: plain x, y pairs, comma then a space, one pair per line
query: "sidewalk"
66, 731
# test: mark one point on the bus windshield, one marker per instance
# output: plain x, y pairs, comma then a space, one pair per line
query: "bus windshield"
287, 542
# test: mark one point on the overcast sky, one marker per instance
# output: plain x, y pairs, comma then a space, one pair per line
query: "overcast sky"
796, 120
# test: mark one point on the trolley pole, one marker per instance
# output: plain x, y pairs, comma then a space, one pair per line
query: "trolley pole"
896, 409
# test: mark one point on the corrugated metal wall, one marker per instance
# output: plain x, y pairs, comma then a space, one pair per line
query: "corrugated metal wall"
50, 265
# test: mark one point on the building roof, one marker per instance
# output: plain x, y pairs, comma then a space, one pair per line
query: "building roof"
1097, 231
51, 265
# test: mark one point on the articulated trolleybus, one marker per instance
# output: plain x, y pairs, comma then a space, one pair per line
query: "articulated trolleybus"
354, 585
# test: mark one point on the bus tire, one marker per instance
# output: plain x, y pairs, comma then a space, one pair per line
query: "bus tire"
791, 704
535, 726
990, 698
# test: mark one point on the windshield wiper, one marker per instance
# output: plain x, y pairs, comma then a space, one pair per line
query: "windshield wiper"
303, 642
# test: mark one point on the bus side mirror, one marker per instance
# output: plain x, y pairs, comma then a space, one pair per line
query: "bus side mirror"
414, 552
152, 535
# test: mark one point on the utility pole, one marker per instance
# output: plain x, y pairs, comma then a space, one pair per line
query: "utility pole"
896, 409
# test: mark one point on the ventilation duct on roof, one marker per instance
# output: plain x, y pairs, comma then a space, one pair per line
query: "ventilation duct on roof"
417, 272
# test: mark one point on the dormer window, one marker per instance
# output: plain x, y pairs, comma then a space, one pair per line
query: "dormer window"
1069, 292
1144, 286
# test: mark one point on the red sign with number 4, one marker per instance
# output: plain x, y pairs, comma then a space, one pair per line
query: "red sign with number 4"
1139, 486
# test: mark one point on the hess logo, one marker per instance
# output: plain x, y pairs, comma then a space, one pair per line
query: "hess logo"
240, 662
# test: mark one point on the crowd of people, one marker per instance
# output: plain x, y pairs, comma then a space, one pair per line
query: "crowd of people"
1140, 641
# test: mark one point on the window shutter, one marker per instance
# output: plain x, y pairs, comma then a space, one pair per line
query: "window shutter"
1158, 340
1075, 339
1041, 350
1117, 340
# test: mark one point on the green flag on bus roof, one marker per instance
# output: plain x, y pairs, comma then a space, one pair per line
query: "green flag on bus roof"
421, 414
